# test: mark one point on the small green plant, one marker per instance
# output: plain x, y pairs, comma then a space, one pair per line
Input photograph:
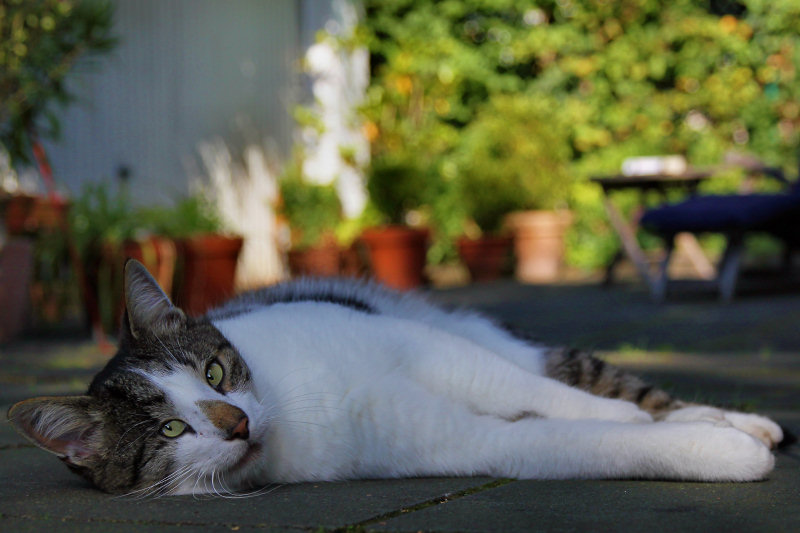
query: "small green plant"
514, 156
101, 220
397, 185
101, 216
193, 215
313, 211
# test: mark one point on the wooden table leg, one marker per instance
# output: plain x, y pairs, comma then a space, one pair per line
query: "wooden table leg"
627, 235
688, 245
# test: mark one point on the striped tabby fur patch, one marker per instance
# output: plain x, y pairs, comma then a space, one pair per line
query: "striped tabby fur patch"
581, 369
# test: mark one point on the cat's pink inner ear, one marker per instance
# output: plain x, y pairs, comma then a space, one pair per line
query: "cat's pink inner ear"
60, 425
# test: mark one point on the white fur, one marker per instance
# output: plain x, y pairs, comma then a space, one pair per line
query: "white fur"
418, 391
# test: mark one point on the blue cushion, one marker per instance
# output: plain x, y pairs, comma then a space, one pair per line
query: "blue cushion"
726, 213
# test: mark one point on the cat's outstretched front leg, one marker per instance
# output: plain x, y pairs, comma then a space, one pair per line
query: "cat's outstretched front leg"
425, 434
599, 449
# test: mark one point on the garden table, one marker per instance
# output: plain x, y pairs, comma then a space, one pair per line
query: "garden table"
625, 228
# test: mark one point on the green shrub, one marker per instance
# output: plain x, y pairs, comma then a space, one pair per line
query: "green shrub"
313, 211
41, 42
627, 78
513, 156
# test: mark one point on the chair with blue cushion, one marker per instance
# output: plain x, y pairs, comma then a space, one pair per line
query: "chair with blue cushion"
733, 215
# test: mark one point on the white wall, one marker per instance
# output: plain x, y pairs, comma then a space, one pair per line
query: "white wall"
184, 71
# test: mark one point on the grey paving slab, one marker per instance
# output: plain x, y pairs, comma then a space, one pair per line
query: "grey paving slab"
590, 316
618, 506
57, 525
36, 486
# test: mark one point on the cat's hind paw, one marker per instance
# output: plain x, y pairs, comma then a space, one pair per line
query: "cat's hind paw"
757, 426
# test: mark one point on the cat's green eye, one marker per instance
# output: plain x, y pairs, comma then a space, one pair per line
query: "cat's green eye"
173, 428
214, 374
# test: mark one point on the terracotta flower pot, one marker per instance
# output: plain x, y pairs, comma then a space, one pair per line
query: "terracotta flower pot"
397, 255
322, 260
105, 299
17, 214
486, 258
208, 271
539, 244
158, 254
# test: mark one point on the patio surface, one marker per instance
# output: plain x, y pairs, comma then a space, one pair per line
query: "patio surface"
746, 355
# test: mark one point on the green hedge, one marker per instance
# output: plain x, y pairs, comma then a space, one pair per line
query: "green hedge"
629, 77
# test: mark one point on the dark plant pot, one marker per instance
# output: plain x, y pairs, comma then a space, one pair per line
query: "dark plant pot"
317, 261
397, 255
104, 284
208, 272
539, 244
487, 257
17, 215
16, 270
158, 254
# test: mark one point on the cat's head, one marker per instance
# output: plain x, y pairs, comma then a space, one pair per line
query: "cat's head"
172, 411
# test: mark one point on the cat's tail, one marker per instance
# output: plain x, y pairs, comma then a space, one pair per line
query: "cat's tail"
582, 370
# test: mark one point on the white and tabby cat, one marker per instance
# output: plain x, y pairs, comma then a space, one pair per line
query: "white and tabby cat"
330, 380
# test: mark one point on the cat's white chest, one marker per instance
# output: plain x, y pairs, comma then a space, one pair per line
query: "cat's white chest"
316, 369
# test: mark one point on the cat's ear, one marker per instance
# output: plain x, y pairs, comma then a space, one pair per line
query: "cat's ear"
148, 307
65, 426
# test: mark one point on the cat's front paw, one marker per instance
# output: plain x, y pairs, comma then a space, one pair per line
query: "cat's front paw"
618, 411
728, 454
757, 426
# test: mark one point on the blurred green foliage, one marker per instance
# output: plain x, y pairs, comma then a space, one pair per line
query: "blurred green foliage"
495, 173
626, 78
101, 216
313, 211
40, 43
190, 216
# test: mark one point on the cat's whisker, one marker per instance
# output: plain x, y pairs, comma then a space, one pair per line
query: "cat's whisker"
233, 494
160, 485
167, 350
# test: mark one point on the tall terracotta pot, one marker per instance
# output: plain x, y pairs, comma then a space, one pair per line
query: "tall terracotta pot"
104, 299
486, 258
539, 244
208, 271
397, 255
17, 214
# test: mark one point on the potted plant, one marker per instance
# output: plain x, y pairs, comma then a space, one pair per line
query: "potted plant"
207, 255
485, 241
516, 171
313, 212
397, 251
42, 41
107, 230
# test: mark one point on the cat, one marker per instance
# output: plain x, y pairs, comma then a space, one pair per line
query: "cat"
318, 380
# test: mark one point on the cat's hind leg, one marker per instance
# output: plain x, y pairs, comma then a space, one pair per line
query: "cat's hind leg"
583, 370
490, 384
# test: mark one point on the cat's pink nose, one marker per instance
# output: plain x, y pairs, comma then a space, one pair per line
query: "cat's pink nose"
240, 431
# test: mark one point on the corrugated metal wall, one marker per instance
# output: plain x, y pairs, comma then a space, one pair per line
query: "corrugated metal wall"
185, 71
